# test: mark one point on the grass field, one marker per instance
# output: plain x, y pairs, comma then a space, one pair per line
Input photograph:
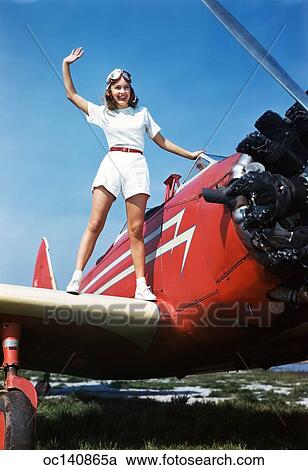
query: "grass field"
268, 410
265, 411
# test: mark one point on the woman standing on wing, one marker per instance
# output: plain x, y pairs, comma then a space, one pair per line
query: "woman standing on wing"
124, 167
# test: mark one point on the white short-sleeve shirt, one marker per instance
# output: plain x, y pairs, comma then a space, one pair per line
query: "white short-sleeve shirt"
123, 127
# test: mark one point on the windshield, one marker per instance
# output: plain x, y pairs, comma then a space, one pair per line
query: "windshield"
202, 162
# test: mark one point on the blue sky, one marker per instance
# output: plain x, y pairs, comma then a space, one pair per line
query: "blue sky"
186, 69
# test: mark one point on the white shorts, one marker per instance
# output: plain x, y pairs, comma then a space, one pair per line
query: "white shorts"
125, 172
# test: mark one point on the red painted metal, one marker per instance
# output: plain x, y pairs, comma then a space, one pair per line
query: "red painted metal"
172, 182
20, 383
10, 337
43, 273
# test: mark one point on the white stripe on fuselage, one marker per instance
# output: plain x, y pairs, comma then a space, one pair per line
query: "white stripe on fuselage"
176, 220
177, 240
184, 237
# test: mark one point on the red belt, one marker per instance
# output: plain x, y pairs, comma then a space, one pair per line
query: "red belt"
124, 149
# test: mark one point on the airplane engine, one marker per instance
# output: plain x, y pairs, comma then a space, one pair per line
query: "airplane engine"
269, 198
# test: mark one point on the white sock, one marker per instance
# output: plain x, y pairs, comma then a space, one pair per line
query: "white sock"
77, 275
140, 281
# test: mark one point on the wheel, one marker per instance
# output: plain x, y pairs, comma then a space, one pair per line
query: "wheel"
17, 421
2, 428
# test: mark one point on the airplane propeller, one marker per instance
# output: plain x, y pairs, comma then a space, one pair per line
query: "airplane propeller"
257, 51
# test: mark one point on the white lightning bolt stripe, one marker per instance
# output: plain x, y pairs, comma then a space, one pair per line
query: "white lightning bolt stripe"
176, 220
183, 237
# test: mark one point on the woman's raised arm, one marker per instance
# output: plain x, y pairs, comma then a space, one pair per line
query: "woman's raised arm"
166, 144
71, 93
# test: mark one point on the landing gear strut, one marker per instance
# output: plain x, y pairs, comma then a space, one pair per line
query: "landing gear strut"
18, 400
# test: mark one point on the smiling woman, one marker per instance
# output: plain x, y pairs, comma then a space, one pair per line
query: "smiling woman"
119, 92
123, 169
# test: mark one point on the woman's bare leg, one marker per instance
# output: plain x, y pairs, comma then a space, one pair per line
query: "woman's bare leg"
135, 208
102, 200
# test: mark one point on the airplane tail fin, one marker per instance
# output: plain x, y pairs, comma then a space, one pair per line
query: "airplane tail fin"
43, 273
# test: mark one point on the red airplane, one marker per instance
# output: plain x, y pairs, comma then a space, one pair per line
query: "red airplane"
226, 255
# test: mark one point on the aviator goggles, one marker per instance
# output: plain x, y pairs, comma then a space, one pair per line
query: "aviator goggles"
116, 74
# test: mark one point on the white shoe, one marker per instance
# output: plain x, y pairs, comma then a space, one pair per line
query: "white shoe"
73, 287
144, 292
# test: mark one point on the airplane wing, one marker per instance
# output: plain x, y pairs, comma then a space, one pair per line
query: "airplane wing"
50, 318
